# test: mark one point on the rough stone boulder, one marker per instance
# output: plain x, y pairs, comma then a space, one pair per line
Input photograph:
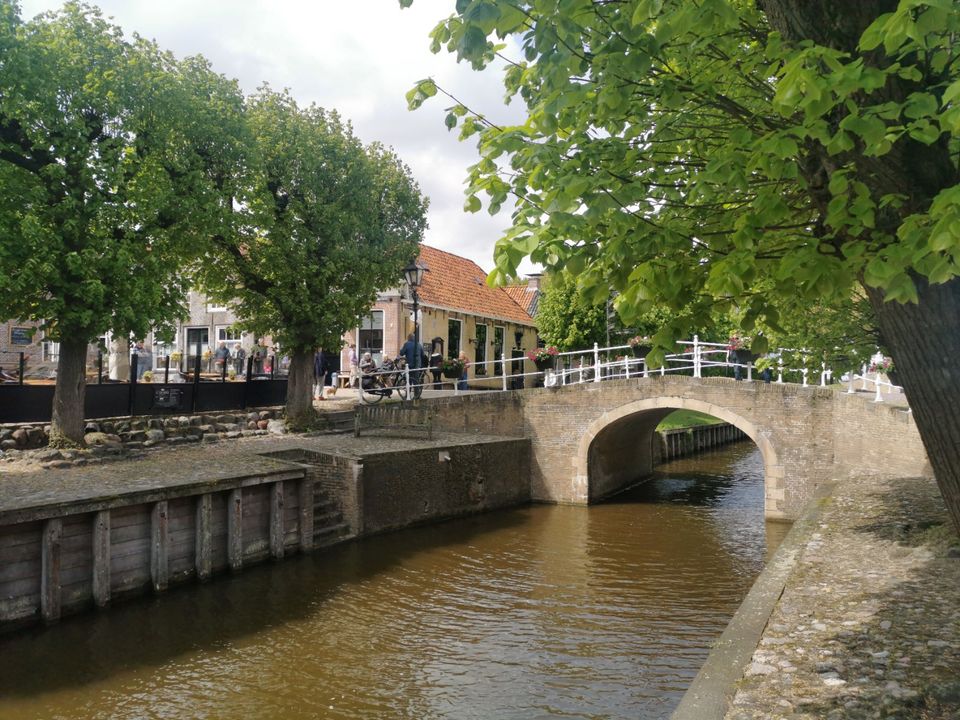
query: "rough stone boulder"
98, 438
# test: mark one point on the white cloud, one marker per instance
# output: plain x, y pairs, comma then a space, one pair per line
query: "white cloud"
357, 57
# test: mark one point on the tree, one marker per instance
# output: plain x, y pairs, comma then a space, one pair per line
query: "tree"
108, 150
327, 222
766, 154
565, 319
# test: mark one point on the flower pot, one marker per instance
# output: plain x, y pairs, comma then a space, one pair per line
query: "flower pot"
452, 373
641, 351
543, 363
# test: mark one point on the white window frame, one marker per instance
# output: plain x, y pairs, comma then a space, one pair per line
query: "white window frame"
232, 342
214, 308
498, 369
451, 352
377, 356
50, 351
479, 369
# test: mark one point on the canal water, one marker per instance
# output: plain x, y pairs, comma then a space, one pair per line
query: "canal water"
539, 612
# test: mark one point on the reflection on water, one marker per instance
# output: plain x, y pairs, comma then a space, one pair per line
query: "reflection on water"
543, 611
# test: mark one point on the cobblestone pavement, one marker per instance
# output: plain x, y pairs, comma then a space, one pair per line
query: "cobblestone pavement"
868, 625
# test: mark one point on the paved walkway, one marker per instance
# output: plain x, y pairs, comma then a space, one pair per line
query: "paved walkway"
25, 490
868, 625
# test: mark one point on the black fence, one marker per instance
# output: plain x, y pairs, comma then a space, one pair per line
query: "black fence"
21, 403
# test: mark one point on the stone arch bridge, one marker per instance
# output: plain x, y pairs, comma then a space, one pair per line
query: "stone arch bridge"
592, 439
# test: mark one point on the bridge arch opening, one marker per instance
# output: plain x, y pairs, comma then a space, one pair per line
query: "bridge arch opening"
617, 447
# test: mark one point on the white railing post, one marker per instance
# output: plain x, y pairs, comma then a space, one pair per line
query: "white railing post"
503, 370
626, 366
780, 370
750, 371
876, 382
804, 371
823, 374
596, 362
863, 377
853, 376
646, 370
406, 378
696, 356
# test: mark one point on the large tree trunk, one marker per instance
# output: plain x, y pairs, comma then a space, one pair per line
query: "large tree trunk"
300, 389
66, 427
924, 340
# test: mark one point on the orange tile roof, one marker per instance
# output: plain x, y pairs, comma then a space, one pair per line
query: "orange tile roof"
456, 283
522, 295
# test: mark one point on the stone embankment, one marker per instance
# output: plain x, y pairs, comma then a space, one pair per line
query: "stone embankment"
868, 625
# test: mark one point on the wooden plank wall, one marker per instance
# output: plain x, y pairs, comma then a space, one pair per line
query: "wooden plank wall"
65, 564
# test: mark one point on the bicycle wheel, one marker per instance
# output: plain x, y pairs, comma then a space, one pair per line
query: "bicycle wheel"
374, 395
400, 385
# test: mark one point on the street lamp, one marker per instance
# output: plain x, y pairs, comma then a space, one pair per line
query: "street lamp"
413, 274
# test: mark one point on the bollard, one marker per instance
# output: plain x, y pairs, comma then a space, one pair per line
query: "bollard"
503, 370
596, 362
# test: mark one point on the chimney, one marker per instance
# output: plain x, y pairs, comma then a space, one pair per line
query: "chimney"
533, 282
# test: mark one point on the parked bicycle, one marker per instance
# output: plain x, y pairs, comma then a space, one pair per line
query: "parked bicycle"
391, 377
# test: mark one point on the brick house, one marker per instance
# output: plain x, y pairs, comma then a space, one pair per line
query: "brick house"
457, 306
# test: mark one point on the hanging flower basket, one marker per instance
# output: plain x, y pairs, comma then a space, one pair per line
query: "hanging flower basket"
452, 369
640, 346
543, 363
543, 357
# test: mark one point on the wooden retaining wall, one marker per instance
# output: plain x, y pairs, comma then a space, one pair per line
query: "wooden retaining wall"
92, 552
681, 442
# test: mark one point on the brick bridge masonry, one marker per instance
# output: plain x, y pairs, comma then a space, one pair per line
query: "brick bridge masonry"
590, 440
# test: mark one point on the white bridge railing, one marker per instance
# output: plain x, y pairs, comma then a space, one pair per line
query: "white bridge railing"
617, 362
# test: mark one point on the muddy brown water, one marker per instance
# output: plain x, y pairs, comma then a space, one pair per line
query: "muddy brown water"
538, 612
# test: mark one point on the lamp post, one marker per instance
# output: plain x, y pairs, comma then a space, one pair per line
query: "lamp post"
413, 274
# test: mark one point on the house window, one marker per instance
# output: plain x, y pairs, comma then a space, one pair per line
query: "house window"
480, 355
161, 351
454, 328
370, 335
51, 351
230, 336
498, 334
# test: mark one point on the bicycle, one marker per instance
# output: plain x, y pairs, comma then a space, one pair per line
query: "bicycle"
400, 380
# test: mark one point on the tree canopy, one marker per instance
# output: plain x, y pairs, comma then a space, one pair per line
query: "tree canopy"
326, 222
762, 156
109, 153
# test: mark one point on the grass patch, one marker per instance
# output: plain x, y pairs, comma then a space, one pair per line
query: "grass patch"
686, 418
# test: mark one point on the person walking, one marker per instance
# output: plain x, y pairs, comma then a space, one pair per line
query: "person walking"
436, 362
413, 353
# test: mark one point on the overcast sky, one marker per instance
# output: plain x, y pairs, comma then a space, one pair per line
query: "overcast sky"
356, 56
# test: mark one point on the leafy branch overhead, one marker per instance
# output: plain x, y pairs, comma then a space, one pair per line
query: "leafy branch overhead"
677, 149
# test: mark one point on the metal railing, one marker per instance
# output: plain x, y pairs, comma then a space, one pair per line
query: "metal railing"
597, 364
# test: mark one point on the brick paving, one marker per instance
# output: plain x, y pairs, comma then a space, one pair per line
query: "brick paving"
868, 625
